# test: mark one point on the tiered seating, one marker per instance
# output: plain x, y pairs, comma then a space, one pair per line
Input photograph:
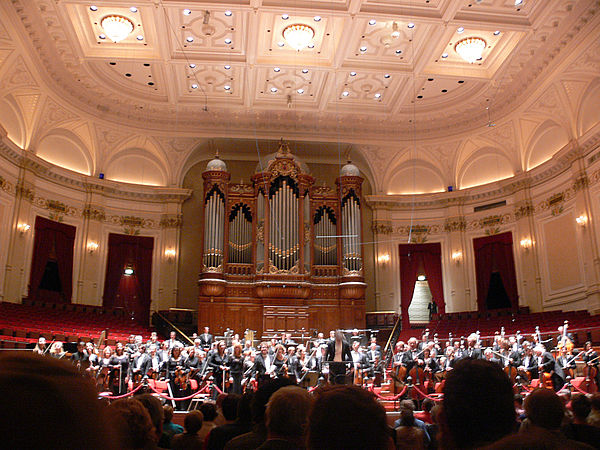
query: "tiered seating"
21, 324
581, 324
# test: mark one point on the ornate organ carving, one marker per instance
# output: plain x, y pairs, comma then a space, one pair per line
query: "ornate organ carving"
281, 254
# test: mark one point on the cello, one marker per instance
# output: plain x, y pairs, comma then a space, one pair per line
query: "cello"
564, 339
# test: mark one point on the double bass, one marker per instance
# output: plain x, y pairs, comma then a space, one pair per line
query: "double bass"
564, 340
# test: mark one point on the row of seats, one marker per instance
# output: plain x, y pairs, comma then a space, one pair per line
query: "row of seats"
25, 323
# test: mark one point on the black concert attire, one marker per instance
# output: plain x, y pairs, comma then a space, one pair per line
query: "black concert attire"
81, 360
548, 364
122, 373
236, 370
472, 352
109, 374
217, 363
172, 366
593, 358
280, 366
337, 366
206, 340
510, 358
192, 367
409, 359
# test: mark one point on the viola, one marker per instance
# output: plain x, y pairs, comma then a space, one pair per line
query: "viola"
590, 372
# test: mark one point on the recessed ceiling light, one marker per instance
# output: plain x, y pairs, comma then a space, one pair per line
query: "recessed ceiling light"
345, 94
444, 55
460, 29
189, 39
311, 45
194, 86
281, 43
227, 41
300, 91
496, 33
352, 74
187, 12
228, 13
276, 69
227, 67
102, 36
410, 25
139, 37
398, 52
387, 75
93, 8
363, 49
378, 95
372, 22
133, 9
285, 16
304, 70
192, 66
273, 90
518, 2
227, 87
317, 18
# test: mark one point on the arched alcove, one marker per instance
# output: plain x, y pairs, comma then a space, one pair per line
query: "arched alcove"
63, 148
415, 178
589, 111
12, 122
486, 167
548, 139
136, 166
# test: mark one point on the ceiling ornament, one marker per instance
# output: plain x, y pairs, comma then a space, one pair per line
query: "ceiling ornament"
298, 35
470, 49
116, 27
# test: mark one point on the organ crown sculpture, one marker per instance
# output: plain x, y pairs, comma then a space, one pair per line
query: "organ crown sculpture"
281, 254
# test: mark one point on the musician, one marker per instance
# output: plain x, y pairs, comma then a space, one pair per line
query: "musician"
528, 361
424, 339
319, 359
218, 363
338, 351
198, 347
411, 356
236, 369
164, 352
566, 361
321, 339
57, 351
120, 360
304, 363
292, 362
40, 348
263, 364
510, 357
359, 359
173, 342
153, 339
590, 358
355, 337
428, 363
131, 347
472, 351
80, 357
108, 371
280, 361
152, 364
547, 364
373, 353
140, 362
93, 359
175, 367
373, 340
564, 337
488, 355
448, 360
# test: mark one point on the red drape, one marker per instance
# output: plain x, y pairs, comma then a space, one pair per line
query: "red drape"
52, 240
414, 257
134, 251
495, 254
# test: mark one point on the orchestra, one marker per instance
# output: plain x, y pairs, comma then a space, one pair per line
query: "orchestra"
235, 364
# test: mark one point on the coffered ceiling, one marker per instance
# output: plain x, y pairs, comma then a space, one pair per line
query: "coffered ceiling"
379, 75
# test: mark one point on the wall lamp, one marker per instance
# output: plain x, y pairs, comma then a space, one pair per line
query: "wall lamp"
383, 258
526, 244
457, 256
582, 220
92, 246
23, 228
170, 254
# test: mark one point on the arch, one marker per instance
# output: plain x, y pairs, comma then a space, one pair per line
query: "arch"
145, 146
12, 121
138, 166
65, 149
415, 177
488, 165
588, 114
547, 139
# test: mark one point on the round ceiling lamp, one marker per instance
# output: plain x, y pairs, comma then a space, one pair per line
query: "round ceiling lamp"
470, 49
116, 27
298, 35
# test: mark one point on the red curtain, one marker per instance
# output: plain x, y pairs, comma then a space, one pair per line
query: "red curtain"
133, 292
495, 254
52, 240
414, 258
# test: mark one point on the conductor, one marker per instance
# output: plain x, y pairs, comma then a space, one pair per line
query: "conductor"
338, 353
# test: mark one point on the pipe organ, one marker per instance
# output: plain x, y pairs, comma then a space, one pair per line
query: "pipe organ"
281, 254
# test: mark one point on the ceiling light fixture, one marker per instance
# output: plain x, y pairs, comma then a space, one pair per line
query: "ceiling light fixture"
228, 13
93, 8
139, 37
395, 31
300, 91
363, 49
378, 95
276, 69
285, 16
133, 9
192, 66
345, 94
470, 49
444, 55
518, 2
496, 33
227, 67
410, 25
352, 74
227, 87
317, 18
372, 22
227, 41
189, 39
116, 27
194, 86
304, 70
187, 12
460, 29
298, 35
281, 43
273, 90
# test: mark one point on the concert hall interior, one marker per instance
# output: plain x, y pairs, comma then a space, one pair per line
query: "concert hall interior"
279, 169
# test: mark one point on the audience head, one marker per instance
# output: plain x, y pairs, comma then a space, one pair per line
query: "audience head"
287, 412
545, 409
193, 421
167, 413
478, 404
262, 396
155, 409
427, 405
407, 408
42, 395
341, 416
581, 407
209, 411
595, 401
244, 412
229, 406
132, 424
